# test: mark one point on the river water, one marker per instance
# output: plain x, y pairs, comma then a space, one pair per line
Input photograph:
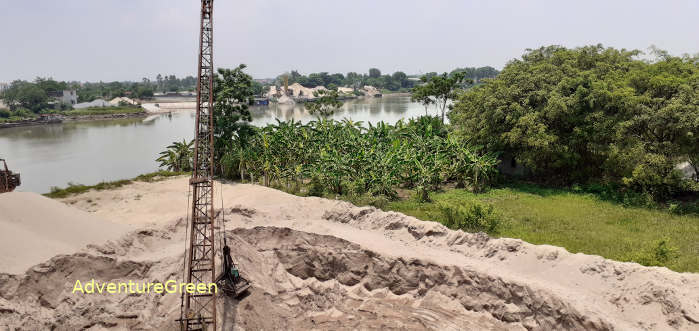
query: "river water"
92, 152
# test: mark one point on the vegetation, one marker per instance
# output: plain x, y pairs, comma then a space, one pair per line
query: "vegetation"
73, 189
398, 81
476, 74
347, 158
91, 91
590, 114
178, 157
170, 83
103, 111
325, 104
30, 96
578, 221
439, 90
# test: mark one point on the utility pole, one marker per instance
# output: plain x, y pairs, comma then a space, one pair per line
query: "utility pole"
200, 308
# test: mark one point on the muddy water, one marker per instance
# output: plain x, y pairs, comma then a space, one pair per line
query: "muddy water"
91, 152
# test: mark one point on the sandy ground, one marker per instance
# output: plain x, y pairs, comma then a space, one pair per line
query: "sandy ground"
168, 107
320, 264
34, 228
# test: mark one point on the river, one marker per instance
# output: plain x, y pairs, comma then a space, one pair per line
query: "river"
95, 151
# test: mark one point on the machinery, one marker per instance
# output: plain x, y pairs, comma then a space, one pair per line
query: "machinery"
8, 180
198, 311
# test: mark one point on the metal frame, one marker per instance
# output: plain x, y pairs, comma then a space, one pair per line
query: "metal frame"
200, 309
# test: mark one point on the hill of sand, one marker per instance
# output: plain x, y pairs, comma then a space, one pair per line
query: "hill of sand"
320, 264
34, 228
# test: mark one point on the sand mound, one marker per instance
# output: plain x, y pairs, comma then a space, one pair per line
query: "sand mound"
328, 265
34, 228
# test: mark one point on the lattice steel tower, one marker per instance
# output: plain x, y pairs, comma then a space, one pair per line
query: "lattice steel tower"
200, 309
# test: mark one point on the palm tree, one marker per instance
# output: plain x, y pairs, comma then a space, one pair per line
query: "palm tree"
178, 156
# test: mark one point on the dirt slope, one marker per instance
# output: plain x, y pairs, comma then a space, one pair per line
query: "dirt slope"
323, 264
34, 228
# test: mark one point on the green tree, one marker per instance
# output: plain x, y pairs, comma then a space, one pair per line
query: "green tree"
26, 95
573, 115
325, 104
233, 93
400, 78
374, 73
438, 90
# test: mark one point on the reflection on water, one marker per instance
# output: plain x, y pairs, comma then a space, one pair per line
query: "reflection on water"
389, 109
91, 152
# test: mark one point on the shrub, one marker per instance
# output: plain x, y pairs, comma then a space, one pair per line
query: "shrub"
472, 217
316, 187
660, 254
23, 113
379, 201
4, 113
422, 194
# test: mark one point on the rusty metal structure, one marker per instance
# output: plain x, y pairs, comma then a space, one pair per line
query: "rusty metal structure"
8, 180
200, 309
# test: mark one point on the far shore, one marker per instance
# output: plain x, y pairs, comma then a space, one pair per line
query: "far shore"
72, 118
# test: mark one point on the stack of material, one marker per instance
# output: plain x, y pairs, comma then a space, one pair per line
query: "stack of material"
371, 91
118, 101
345, 90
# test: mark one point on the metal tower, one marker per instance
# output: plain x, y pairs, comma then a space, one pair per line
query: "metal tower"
200, 309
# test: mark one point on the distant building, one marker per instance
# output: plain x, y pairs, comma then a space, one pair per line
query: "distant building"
3, 87
67, 97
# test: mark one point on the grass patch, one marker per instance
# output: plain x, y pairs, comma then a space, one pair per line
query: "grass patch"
73, 189
103, 111
579, 222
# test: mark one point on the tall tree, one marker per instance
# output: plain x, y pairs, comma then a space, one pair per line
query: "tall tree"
233, 93
439, 90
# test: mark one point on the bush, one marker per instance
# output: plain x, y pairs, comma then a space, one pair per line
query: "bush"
316, 187
660, 254
380, 201
22, 112
472, 217
4, 113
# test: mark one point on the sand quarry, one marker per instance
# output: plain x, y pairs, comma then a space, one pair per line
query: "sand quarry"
316, 264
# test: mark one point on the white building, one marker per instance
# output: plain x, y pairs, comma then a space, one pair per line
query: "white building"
3, 87
67, 97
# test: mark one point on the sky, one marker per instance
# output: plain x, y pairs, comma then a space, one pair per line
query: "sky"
108, 40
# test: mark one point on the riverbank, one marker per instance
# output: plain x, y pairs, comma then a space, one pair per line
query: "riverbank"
78, 115
57, 193
327, 264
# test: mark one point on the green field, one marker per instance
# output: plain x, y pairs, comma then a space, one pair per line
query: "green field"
103, 111
581, 223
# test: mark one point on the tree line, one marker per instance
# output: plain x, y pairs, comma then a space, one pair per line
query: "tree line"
36, 96
395, 82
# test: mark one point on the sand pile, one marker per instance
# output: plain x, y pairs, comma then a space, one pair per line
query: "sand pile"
323, 264
34, 228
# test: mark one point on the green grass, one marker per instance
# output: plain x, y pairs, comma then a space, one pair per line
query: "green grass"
16, 119
73, 189
103, 111
580, 222
81, 112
